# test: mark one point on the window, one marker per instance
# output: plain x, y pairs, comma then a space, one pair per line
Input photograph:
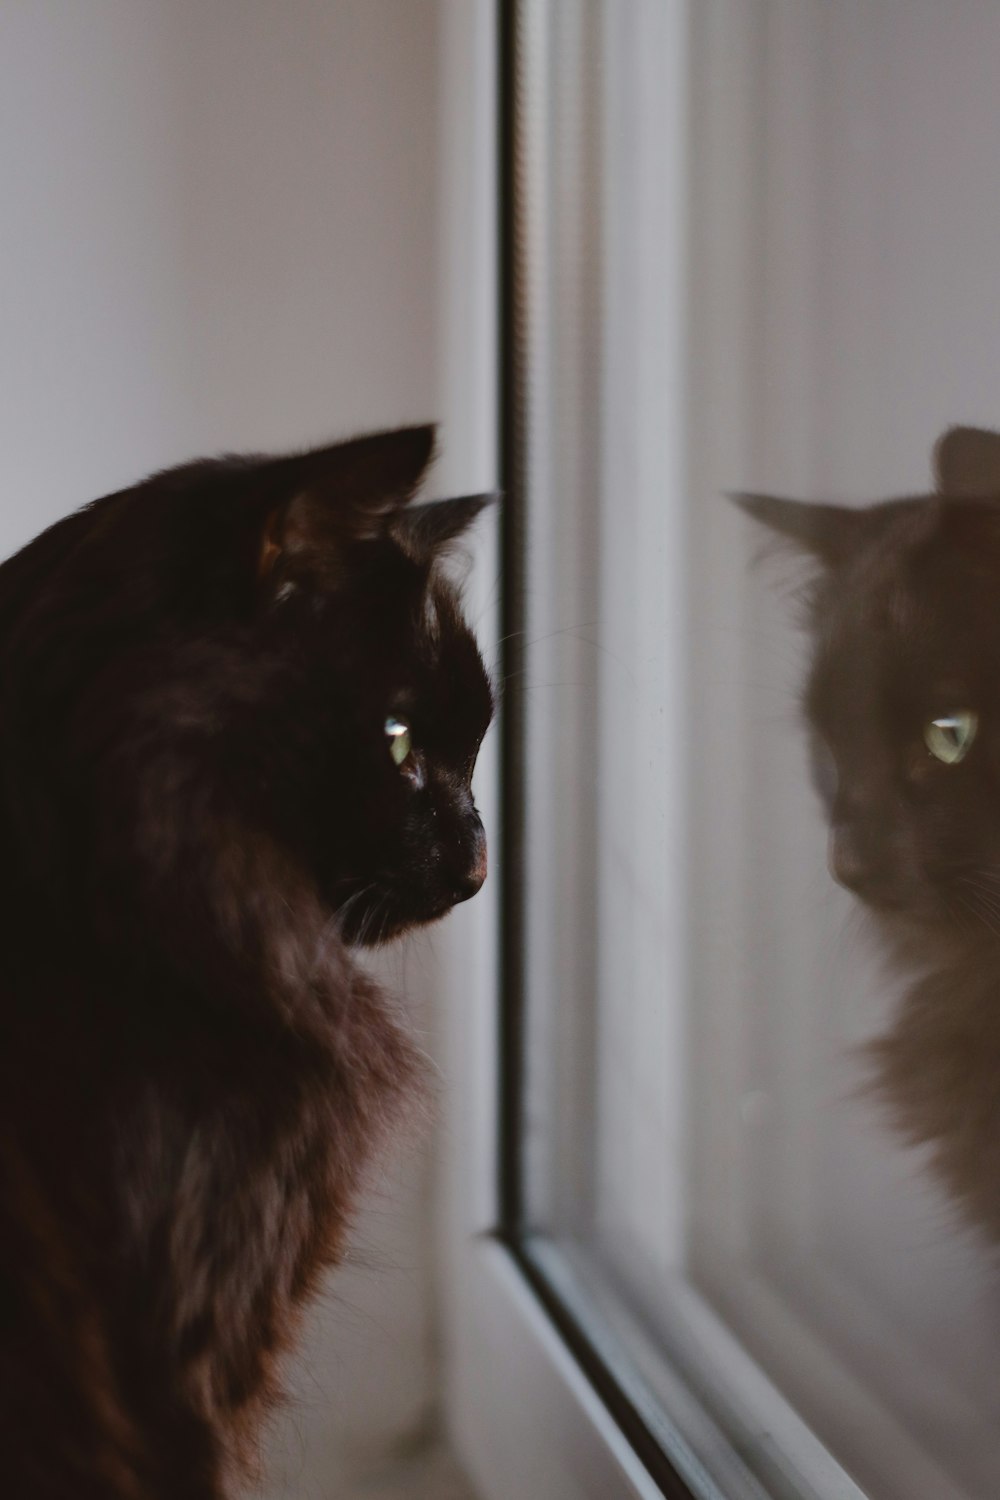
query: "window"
751, 245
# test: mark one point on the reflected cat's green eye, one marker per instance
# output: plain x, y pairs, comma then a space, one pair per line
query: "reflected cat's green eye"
949, 738
397, 732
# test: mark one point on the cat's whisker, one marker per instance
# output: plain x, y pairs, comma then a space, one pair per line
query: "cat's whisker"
378, 921
347, 906
367, 924
549, 635
490, 602
340, 919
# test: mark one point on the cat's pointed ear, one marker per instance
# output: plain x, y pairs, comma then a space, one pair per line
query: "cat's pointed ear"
427, 530
967, 463
831, 533
346, 493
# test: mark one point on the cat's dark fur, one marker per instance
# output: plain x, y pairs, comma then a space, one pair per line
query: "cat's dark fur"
200, 817
905, 627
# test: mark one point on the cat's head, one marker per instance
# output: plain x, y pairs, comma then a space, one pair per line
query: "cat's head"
278, 635
903, 692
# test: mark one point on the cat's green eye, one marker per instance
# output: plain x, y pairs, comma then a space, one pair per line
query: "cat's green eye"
949, 738
397, 732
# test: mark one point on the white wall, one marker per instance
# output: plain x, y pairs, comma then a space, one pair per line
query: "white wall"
218, 231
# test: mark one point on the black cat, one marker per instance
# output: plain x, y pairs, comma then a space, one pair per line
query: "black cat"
903, 707
241, 712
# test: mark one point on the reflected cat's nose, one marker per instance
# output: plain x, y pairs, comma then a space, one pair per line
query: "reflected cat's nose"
856, 865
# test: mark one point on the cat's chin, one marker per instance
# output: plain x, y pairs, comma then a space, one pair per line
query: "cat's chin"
382, 923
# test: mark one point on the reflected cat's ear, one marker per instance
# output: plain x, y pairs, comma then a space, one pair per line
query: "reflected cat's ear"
427, 530
967, 463
335, 496
831, 533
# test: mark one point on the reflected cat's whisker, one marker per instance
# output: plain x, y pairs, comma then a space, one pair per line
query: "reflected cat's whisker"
980, 904
962, 912
989, 894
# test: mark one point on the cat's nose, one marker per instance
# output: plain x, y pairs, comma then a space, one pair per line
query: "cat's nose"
472, 877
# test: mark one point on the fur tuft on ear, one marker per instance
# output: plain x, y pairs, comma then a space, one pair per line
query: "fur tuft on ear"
967, 463
426, 530
348, 492
830, 533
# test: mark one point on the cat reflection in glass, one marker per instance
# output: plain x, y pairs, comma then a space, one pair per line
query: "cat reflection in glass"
902, 703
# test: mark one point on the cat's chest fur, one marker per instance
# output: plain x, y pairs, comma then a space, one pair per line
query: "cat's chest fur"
241, 711
238, 1153
264, 1170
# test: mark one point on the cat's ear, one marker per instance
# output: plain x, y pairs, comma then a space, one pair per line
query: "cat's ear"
427, 530
336, 496
831, 533
967, 463
339, 495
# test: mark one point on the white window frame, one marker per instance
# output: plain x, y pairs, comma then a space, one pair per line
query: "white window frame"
522, 1414
523, 1417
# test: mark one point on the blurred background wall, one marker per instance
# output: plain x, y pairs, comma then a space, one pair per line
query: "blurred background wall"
218, 231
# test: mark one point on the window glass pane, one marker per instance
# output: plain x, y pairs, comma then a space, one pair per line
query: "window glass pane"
759, 243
